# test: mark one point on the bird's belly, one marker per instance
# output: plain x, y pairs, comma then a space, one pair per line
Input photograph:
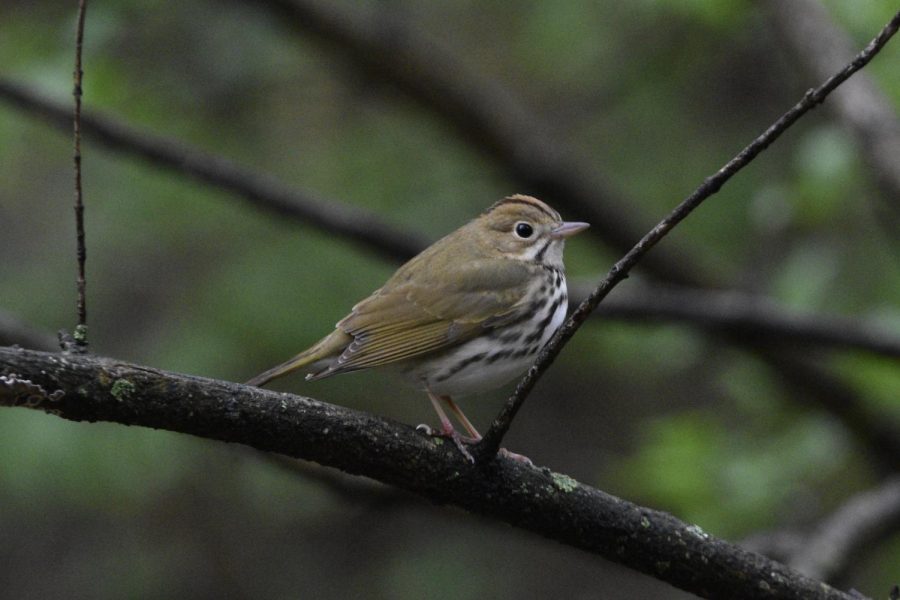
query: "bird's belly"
488, 361
475, 376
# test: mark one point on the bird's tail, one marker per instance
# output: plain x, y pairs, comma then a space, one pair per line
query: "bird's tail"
299, 361
328, 347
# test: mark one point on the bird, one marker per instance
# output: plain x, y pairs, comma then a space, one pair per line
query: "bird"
467, 314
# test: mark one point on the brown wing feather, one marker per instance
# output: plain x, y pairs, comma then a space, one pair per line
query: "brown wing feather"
405, 320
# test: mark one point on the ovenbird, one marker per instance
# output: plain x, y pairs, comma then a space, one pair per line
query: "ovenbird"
469, 313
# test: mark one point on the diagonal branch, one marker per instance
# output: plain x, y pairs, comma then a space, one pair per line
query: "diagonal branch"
262, 192
88, 388
490, 444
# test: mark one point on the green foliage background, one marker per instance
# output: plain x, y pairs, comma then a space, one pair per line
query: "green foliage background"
654, 94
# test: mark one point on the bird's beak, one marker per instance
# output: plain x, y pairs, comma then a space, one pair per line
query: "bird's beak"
568, 228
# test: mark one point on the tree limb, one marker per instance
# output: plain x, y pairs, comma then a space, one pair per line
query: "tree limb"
88, 388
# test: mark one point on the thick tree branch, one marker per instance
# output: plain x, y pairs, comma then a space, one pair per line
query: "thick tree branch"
384, 47
260, 191
87, 388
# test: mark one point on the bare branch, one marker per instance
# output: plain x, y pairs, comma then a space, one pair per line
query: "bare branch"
490, 444
260, 191
81, 253
837, 543
482, 112
88, 388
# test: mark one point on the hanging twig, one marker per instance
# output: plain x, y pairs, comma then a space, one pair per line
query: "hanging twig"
81, 327
489, 445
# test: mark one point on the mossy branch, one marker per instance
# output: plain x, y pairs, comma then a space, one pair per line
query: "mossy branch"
88, 388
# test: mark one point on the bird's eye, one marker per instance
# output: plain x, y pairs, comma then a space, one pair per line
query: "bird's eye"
524, 230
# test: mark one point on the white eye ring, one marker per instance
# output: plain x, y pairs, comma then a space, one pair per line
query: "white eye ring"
523, 230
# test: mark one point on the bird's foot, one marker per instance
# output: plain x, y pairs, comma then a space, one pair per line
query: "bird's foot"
453, 435
520, 458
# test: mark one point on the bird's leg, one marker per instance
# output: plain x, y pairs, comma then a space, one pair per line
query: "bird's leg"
476, 437
447, 429
457, 411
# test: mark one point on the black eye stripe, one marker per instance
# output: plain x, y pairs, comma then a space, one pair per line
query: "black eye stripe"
540, 255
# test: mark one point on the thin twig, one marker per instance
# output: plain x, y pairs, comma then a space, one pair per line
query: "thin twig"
490, 444
81, 328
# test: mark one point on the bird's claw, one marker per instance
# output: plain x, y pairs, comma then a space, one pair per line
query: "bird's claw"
453, 436
519, 458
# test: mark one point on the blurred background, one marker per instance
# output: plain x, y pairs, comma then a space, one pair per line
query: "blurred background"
633, 104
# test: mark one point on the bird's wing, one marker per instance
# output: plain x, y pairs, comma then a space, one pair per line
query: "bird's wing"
410, 317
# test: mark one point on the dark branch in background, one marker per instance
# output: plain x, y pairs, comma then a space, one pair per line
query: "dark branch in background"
744, 316
384, 47
260, 191
81, 328
830, 548
710, 309
861, 106
14, 332
865, 520
491, 441
88, 388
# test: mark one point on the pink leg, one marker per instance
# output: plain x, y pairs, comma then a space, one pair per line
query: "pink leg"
447, 429
462, 418
476, 437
